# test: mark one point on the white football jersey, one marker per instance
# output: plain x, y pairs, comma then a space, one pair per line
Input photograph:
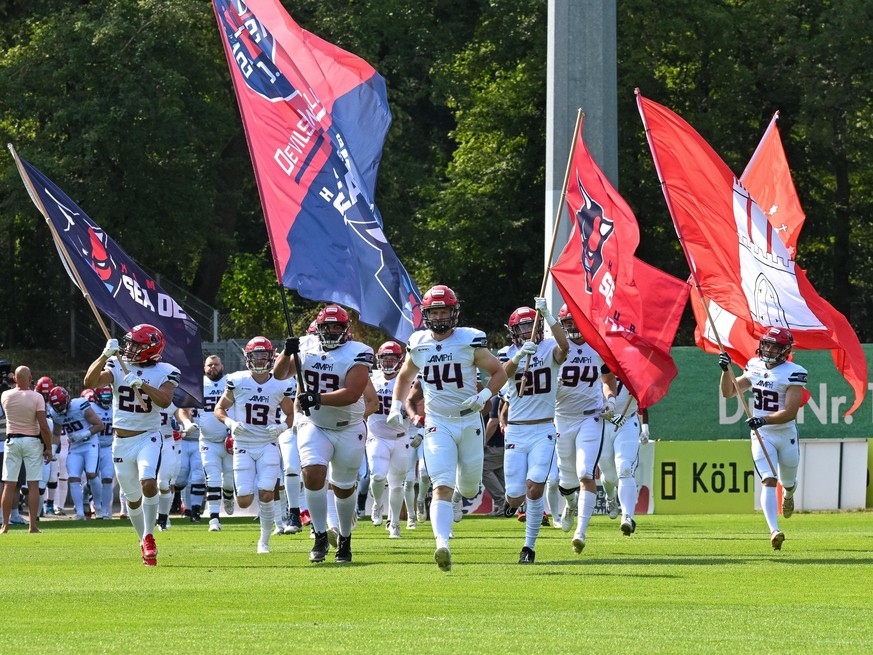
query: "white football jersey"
581, 390
448, 375
540, 386
211, 429
622, 396
105, 414
73, 419
256, 405
127, 413
376, 422
325, 371
769, 387
168, 421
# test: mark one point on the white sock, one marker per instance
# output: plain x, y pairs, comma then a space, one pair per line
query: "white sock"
533, 521
345, 513
282, 507
586, 502
395, 502
768, 504
149, 513
107, 498
409, 498
61, 497
627, 496
423, 488
608, 486
136, 519
267, 511
96, 487
332, 518
317, 502
292, 490
377, 490
76, 493
165, 500
456, 496
553, 496
441, 520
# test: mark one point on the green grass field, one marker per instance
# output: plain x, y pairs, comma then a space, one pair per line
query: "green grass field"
681, 584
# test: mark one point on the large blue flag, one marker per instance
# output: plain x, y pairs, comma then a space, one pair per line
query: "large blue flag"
315, 117
117, 286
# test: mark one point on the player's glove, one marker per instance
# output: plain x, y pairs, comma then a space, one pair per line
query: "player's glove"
477, 403
618, 420
228, 443
275, 430
417, 439
191, 430
80, 435
309, 400
111, 348
132, 380
233, 426
292, 346
395, 417
527, 348
756, 422
644, 434
543, 308
724, 361
608, 410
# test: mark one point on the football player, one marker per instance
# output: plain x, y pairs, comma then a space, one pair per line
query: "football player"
56, 487
580, 413
103, 407
191, 473
256, 398
336, 374
448, 357
171, 459
79, 420
777, 386
530, 429
137, 397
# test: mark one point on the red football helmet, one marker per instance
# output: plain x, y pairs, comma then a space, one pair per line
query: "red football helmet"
332, 326
44, 385
313, 328
389, 357
259, 355
104, 396
142, 345
775, 346
520, 326
439, 297
567, 322
59, 399
89, 395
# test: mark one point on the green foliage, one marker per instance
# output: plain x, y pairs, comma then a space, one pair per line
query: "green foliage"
250, 289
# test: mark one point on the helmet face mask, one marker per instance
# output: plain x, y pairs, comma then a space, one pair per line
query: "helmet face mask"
103, 397
568, 323
59, 399
142, 345
520, 326
775, 346
332, 326
440, 309
389, 357
259, 355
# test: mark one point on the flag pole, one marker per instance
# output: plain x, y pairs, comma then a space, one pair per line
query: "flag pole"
690, 260
300, 383
558, 213
34, 196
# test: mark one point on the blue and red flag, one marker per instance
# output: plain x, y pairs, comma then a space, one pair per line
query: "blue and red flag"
316, 117
117, 286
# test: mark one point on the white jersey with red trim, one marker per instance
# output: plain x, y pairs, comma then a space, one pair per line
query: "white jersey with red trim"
325, 371
256, 405
622, 396
127, 413
168, 421
448, 375
540, 386
73, 419
376, 422
581, 390
769, 386
211, 429
105, 414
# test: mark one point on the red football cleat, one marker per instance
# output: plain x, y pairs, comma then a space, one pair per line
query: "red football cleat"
149, 551
305, 518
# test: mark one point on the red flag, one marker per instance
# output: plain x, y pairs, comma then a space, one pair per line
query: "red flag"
595, 274
736, 256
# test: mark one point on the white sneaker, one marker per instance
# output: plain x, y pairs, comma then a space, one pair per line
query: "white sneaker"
376, 515
613, 508
394, 531
457, 510
443, 559
228, 506
578, 544
420, 511
214, 525
263, 548
411, 523
568, 516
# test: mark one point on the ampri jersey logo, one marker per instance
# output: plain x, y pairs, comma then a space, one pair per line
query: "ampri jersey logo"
253, 51
595, 229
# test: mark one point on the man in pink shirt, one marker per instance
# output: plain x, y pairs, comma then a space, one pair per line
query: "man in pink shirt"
28, 442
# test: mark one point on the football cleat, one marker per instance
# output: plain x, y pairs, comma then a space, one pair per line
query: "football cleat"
546, 523
420, 511
333, 537
578, 544
75, 517
163, 526
343, 550
628, 526
149, 551
521, 514
776, 539
294, 521
394, 531
568, 516
263, 548
287, 528
320, 548
556, 522
411, 523
214, 525
613, 508
376, 514
787, 507
228, 506
278, 529
457, 510
527, 556
305, 518
443, 559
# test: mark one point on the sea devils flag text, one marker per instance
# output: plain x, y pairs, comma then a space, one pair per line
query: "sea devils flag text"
736, 254
315, 117
596, 275
119, 288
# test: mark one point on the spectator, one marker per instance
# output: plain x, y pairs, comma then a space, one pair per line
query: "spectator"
492, 467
